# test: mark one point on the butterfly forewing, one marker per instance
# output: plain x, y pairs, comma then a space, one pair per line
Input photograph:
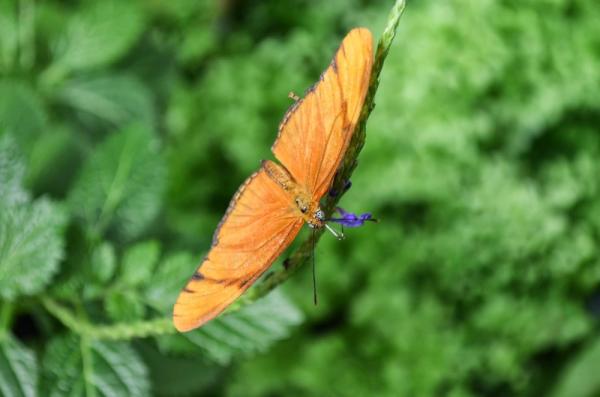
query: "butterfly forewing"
314, 135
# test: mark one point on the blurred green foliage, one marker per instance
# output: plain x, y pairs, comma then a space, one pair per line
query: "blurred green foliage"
125, 127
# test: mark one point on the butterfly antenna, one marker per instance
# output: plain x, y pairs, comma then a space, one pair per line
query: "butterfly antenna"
314, 273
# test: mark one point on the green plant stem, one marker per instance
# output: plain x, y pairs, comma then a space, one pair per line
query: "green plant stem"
126, 331
88, 366
64, 315
162, 326
122, 331
87, 362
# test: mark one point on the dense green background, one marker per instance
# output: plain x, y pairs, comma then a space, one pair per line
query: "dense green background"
125, 127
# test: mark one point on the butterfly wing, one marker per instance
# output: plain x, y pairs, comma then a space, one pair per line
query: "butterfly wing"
315, 133
258, 225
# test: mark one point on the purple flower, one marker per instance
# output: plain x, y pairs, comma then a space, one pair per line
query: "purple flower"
349, 219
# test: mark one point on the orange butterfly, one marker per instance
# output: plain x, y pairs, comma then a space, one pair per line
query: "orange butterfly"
270, 207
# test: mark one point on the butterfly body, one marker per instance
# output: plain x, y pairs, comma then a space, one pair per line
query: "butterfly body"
272, 205
301, 203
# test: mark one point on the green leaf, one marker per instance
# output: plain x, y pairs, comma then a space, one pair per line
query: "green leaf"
198, 42
12, 171
21, 113
53, 161
116, 99
99, 34
18, 369
168, 279
79, 367
252, 329
581, 376
31, 247
103, 262
121, 184
179, 376
124, 306
138, 263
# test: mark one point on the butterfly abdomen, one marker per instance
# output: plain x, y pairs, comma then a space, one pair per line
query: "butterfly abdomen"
279, 174
300, 200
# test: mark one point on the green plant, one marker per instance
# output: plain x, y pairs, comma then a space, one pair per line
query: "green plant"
125, 127
112, 282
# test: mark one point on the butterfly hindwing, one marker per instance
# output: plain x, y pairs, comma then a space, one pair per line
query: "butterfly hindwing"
258, 226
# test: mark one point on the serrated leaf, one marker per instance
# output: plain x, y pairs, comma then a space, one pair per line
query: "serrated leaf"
124, 306
138, 263
12, 171
116, 99
179, 376
121, 184
53, 161
18, 369
113, 369
103, 262
31, 247
99, 34
253, 329
168, 279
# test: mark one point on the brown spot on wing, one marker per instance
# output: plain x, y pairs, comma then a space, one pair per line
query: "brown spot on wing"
197, 276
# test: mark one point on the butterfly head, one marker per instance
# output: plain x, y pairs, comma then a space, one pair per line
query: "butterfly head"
312, 214
317, 220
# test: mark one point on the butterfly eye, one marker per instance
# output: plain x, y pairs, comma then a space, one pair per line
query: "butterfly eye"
303, 208
320, 215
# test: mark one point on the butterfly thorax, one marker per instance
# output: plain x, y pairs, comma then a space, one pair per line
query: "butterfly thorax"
300, 198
